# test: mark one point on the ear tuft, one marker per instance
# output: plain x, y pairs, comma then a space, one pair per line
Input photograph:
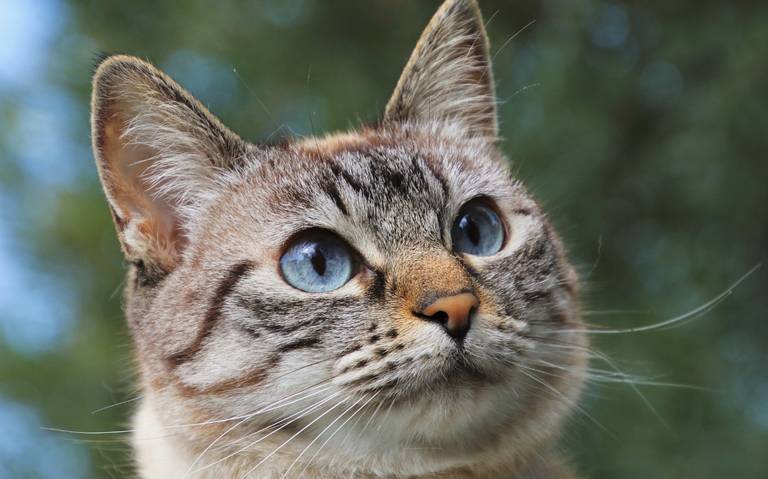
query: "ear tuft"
448, 76
159, 153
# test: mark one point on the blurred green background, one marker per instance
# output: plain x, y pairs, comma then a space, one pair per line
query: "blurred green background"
642, 127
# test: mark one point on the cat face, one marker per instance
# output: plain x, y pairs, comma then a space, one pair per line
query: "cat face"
395, 284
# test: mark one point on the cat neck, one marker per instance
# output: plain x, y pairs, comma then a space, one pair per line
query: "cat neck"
163, 453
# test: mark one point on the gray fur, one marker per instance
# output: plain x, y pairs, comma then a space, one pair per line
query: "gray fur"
219, 334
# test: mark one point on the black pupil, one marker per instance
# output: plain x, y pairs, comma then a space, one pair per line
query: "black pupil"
318, 261
472, 230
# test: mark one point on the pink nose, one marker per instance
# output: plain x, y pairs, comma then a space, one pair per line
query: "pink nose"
453, 312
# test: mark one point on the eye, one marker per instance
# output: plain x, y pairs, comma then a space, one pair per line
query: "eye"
317, 262
478, 230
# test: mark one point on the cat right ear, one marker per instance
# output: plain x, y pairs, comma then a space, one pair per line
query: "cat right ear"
449, 77
159, 153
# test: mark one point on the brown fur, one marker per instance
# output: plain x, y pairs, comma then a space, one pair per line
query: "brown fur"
246, 375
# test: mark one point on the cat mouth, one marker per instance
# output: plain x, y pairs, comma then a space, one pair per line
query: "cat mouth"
458, 373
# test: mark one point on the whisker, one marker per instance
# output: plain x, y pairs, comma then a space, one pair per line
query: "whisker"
616, 376
270, 407
210, 446
386, 415
300, 368
520, 90
265, 458
336, 431
285, 422
196, 424
568, 401
96, 411
373, 415
354, 424
326, 428
245, 419
613, 312
672, 322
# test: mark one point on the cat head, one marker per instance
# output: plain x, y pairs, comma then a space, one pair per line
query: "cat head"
398, 274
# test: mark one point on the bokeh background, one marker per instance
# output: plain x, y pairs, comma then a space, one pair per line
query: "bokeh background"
642, 127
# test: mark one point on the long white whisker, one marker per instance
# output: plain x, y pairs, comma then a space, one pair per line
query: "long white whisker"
130, 400
373, 415
672, 322
178, 426
334, 432
386, 415
352, 427
319, 435
567, 400
624, 378
265, 458
248, 417
213, 443
285, 422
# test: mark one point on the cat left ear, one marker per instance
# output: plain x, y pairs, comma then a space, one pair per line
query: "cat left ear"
159, 153
448, 76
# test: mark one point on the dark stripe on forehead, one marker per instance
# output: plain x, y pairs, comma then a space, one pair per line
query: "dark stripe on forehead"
387, 174
346, 177
333, 192
418, 170
213, 314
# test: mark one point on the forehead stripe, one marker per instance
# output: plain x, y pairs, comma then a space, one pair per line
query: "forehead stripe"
345, 176
333, 192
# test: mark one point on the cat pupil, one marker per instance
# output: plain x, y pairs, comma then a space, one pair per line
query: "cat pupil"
473, 231
318, 261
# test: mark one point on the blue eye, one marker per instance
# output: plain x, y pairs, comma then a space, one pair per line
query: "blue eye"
478, 230
317, 262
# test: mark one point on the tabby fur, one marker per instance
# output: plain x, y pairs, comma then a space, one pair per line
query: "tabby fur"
228, 352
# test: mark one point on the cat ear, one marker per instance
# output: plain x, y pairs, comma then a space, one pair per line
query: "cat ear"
448, 76
158, 152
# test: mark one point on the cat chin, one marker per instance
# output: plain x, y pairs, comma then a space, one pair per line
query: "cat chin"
474, 416
454, 418
161, 455
446, 431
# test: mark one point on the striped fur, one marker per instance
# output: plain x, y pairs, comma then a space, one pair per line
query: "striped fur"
203, 218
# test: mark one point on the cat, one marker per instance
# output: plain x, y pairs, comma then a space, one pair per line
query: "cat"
387, 302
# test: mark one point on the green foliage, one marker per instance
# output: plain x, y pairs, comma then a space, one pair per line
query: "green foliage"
641, 127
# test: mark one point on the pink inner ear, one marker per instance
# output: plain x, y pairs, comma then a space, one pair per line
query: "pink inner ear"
151, 224
157, 149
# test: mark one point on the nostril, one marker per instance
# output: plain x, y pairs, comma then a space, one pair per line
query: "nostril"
438, 317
